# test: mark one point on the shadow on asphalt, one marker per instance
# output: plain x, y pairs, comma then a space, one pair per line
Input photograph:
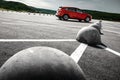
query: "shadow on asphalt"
99, 46
71, 20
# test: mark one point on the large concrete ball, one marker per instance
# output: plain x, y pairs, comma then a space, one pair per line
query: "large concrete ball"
89, 35
41, 63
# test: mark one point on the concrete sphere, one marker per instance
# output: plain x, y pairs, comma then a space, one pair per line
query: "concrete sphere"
41, 63
89, 35
97, 25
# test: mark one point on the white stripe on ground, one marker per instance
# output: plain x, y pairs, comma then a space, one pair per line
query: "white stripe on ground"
110, 50
37, 40
77, 54
111, 31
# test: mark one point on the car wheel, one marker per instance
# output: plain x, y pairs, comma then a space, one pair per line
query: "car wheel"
65, 17
87, 19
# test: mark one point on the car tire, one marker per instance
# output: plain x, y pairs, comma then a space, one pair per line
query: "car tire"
87, 19
65, 17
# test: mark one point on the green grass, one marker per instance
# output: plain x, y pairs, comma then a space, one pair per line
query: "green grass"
17, 6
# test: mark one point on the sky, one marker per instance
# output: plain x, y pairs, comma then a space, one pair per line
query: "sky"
99, 5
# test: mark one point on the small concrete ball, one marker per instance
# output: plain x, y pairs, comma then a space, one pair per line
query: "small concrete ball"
97, 25
41, 63
89, 35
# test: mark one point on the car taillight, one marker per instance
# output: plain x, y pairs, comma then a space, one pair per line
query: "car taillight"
59, 10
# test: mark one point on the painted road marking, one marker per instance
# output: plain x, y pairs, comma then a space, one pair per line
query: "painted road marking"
77, 54
37, 40
110, 50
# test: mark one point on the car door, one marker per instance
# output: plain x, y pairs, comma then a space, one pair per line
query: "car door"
80, 14
72, 12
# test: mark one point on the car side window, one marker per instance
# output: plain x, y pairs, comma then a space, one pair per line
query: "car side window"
71, 9
78, 10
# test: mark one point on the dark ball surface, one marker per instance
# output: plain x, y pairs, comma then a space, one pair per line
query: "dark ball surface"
89, 35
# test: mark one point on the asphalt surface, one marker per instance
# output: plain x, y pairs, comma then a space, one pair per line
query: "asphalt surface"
97, 63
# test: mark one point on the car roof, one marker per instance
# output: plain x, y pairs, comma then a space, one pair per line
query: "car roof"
67, 7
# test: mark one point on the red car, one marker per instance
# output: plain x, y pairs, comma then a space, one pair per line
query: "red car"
65, 13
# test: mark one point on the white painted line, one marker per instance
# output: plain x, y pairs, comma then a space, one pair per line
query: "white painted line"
110, 50
37, 40
77, 54
111, 31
